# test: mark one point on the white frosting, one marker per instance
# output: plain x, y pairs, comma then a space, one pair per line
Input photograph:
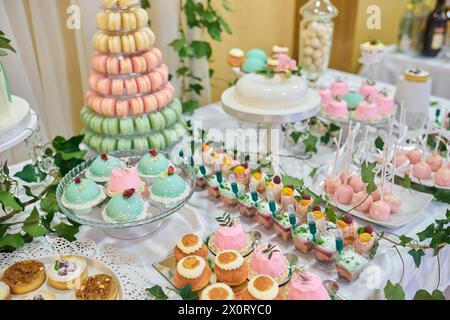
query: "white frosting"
77, 266
279, 49
4, 291
232, 265
45, 295
279, 92
191, 273
5, 103
269, 294
238, 53
207, 290
190, 250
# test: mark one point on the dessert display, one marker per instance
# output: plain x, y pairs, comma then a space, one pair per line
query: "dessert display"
325, 248
25, 276
169, 187
192, 270
303, 238
152, 165
101, 167
217, 291
190, 245
127, 207
5, 292
349, 264
82, 195
262, 287
67, 272
268, 259
130, 104
98, 287
306, 286
230, 268
264, 214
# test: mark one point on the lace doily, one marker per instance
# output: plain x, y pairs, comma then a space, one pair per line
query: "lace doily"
132, 277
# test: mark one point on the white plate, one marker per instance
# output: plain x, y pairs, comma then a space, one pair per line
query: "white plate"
427, 183
413, 202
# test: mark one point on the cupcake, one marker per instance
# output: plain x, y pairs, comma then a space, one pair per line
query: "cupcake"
67, 272
287, 198
190, 245
302, 207
236, 58
152, 165
303, 238
126, 207
169, 187
275, 186
217, 291
242, 174
349, 229
5, 292
269, 260
40, 295
25, 276
349, 264
194, 271
325, 247
100, 169
98, 287
306, 286
82, 195
264, 215
230, 268
366, 240
123, 179
229, 198
230, 235
262, 287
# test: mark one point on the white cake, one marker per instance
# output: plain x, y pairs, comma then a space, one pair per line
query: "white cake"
14, 111
279, 92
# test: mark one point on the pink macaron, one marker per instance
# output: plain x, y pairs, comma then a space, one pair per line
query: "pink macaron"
94, 78
131, 87
157, 53
137, 106
104, 86
97, 104
171, 88
150, 103
122, 108
109, 107
156, 80
112, 65
139, 64
162, 99
126, 66
99, 62
117, 87
152, 60
143, 84
164, 74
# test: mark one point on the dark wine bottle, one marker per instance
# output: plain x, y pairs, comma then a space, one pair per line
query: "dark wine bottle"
435, 31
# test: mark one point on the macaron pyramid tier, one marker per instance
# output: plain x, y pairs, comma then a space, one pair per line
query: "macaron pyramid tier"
130, 103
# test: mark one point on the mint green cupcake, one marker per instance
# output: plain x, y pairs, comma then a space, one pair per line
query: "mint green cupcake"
82, 195
126, 207
169, 188
101, 168
152, 165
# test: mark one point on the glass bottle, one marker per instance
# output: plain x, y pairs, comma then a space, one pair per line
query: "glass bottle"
316, 37
405, 36
435, 31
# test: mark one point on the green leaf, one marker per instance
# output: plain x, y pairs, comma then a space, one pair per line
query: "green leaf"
186, 293
215, 31
325, 139
182, 71
406, 181
334, 127
13, 241
29, 193
379, 143
313, 172
417, 256
201, 49
32, 225
66, 231
425, 295
442, 195
368, 176
197, 88
331, 216
3, 229
30, 174
145, 4
158, 293
6, 168
190, 106
404, 240
427, 233
178, 44
394, 292
73, 155
296, 136
68, 146
49, 203
9, 201
311, 143
289, 180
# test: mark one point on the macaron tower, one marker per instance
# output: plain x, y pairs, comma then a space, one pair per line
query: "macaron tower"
130, 104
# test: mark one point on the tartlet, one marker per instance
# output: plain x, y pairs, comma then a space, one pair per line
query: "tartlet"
217, 291
194, 271
98, 287
25, 276
67, 272
190, 245
262, 287
230, 268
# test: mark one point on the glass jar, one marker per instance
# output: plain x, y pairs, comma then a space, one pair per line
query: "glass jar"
316, 37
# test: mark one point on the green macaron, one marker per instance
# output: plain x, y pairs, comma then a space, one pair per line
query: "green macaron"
170, 116
142, 125
124, 144
127, 127
140, 144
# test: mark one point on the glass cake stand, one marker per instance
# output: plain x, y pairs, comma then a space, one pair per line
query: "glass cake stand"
157, 212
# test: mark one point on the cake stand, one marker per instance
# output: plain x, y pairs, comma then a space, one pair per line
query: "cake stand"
127, 230
270, 119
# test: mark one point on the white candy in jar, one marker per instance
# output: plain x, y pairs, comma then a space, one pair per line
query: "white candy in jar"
309, 51
317, 54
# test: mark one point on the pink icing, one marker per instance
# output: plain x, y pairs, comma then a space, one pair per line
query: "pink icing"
358, 199
443, 177
344, 194
422, 170
435, 161
368, 90
230, 238
414, 156
326, 95
367, 111
385, 104
339, 88
261, 264
357, 184
394, 202
122, 179
380, 211
306, 286
337, 108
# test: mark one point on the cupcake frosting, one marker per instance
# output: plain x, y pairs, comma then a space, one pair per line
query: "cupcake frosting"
153, 164
189, 243
217, 291
229, 260
307, 286
102, 166
263, 287
191, 267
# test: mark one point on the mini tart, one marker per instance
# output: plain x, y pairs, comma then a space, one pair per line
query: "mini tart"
262, 287
40, 295
190, 245
192, 270
99, 287
230, 268
67, 272
416, 75
25, 276
217, 291
5, 292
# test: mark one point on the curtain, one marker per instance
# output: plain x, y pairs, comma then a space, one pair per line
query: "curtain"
53, 62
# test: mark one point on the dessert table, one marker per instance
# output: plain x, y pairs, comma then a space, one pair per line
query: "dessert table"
200, 213
395, 63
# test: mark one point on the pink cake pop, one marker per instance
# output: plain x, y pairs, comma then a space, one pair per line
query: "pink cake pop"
385, 103
422, 171
331, 184
357, 184
368, 90
394, 203
358, 203
443, 177
380, 211
344, 194
435, 161
415, 156
400, 159
376, 195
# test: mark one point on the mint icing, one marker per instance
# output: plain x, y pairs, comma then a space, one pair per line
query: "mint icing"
102, 169
80, 193
327, 241
226, 190
283, 219
122, 209
168, 186
153, 166
264, 208
351, 260
246, 199
302, 232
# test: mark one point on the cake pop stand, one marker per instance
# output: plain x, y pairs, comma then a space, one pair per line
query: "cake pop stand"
20, 132
127, 230
270, 119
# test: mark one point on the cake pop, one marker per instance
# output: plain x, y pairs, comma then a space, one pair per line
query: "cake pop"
394, 203
442, 177
435, 161
362, 202
422, 171
357, 184
415, 156
380, 211
344, 194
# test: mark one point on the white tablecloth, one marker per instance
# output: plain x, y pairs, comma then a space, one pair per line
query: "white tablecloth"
198, 216
395, 63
